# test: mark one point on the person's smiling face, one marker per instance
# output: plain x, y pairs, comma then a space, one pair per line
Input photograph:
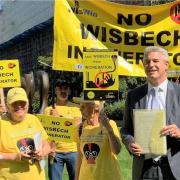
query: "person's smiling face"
18, 110
156, 68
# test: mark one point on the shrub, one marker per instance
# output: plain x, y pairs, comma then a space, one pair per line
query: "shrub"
115, 110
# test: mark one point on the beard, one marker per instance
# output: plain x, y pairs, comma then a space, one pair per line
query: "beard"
63, 95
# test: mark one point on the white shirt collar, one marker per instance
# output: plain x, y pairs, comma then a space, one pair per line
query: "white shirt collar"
162, 86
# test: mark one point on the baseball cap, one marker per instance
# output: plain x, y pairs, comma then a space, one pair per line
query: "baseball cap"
16, 94
60, 83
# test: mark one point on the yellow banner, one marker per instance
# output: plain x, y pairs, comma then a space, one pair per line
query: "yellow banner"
102, 24
100, 78
9, 73
58, 128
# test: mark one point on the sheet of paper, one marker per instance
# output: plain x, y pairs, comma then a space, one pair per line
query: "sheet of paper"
38, 140
38, 145
147, 127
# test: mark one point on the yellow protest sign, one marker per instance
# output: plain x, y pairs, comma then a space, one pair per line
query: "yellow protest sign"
80, 25
58, 128
9, 73
100, 75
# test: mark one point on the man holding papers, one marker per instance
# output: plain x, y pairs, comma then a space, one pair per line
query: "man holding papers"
157, 93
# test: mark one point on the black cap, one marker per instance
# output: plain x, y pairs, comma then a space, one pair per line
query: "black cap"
61, 82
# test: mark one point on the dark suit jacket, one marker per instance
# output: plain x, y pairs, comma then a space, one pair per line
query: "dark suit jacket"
136, 99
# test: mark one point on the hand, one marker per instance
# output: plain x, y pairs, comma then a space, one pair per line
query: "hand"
52, 153
171, 130
135, 149
78, 121
38, 154
104, 120
53, 149
54, 112
22, 157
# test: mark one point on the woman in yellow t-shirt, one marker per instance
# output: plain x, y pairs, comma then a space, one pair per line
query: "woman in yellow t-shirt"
19, 155
98, 146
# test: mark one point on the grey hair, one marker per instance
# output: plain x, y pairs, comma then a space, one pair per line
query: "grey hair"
150, 49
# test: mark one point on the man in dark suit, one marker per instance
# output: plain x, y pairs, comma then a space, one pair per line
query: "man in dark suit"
167, 167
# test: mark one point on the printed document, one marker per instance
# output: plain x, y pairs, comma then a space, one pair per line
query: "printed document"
147, 127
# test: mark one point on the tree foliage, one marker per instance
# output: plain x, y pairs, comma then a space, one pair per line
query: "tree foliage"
114, 109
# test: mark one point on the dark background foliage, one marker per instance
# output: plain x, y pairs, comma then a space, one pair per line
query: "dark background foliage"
114, 109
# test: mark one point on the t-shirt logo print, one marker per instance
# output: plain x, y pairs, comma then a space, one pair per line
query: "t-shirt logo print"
91, 151
26, 145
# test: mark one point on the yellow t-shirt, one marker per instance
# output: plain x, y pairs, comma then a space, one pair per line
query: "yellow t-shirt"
15, 138
71, 110
98, 162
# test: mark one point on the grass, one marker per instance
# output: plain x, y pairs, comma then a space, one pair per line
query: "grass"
125, 161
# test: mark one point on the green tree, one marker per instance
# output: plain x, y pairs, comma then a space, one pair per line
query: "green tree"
114, 109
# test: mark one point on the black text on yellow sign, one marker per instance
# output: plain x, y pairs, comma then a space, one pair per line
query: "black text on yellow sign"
58, 128
100, 75
9, 73
129, 29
